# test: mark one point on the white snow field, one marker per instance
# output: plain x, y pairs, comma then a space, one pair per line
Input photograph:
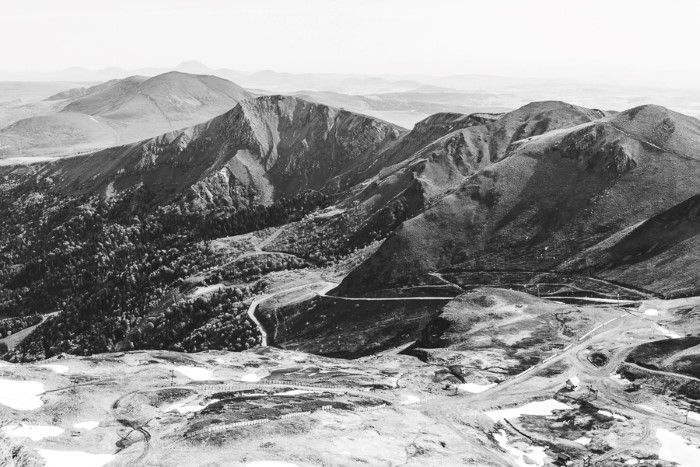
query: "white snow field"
534, 457
270, 464
74, 458
89, 425
182, 408
57, 368
21, 395
607, 413
250, 378
541, 408
33, 432
475, 388
676, 449
192, 372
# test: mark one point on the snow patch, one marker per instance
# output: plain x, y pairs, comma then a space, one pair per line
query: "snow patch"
21, 395
294, 392
583, 441
86, 425
632, 461
646, 407
668, 333
34, 432
74, 458
541, 408
676, 449
270, 464
57, 368
251, 378
620, 380
535, 455
195, 373
475, 388
182, 408
607, 413
650, 312
694, 416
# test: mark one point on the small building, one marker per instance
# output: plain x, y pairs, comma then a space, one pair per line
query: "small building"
573, 383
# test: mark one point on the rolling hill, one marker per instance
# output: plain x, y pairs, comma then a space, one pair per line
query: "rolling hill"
118, 112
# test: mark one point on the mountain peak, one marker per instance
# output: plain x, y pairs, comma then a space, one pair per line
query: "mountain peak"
193, 67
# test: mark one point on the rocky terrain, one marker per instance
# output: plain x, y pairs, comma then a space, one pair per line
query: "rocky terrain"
469, 403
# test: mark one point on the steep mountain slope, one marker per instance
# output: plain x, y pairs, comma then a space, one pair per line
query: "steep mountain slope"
445, 148
411, 173
659, 252
121, 111
554, 195
263, 149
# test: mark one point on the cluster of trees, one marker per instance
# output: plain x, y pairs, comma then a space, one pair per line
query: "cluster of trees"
228, 221
253, 267
110, 265
113, 267
219, 322
324, 240
10, 326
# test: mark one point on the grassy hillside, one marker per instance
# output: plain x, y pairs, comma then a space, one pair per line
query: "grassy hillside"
553, 196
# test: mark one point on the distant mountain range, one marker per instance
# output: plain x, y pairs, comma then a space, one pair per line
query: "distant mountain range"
402, 100
119, 111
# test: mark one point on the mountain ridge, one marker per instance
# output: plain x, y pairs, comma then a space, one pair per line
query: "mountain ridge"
552, 195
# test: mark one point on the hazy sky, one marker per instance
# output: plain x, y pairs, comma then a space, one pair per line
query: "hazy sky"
616, 39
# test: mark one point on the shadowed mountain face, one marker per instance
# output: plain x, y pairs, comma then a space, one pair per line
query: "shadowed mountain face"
263, 149
120, 111
554, 194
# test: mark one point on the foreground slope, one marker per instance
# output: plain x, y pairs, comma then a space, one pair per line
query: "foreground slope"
555, 194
